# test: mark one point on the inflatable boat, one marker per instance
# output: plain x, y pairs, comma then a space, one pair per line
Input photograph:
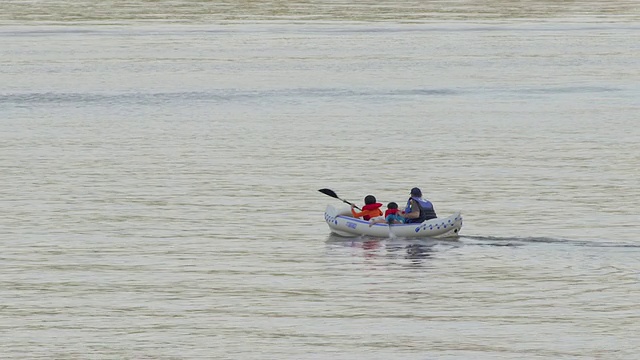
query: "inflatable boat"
342, 223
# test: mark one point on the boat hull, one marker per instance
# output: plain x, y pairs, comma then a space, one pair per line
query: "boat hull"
341, 223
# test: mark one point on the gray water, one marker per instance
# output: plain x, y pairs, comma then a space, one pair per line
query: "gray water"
159, 167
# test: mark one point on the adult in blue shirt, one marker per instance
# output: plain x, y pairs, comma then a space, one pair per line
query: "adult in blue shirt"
418, 209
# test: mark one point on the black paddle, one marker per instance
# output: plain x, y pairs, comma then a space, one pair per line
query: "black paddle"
334, 195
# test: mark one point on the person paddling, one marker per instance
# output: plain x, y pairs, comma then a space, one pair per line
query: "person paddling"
418, 209
370, 210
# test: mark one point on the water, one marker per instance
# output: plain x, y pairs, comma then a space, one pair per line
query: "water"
160, 164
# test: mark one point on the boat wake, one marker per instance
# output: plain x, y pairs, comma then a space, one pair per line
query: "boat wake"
522, 241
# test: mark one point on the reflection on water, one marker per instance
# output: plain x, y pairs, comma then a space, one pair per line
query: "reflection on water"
405, 10
414, 250
417, 251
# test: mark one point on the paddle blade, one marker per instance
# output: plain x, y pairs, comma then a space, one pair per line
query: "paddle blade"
329, 192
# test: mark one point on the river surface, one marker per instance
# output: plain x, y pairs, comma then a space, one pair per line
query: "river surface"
160, 161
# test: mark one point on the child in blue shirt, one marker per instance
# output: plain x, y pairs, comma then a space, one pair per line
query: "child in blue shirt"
391, 216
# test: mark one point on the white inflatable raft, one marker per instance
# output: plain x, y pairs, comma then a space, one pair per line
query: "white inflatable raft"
342, 223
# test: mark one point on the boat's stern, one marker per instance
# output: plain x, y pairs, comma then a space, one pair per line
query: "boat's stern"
442, 227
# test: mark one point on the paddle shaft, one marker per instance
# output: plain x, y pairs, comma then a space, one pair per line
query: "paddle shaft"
346, 202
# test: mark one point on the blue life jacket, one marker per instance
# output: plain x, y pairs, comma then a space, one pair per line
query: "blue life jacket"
426, 210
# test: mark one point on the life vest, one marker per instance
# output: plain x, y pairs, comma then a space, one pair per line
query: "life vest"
426, 210
371, 209
391, 212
